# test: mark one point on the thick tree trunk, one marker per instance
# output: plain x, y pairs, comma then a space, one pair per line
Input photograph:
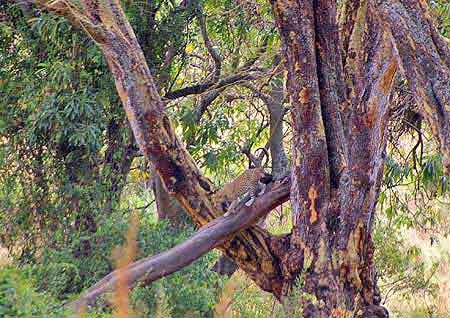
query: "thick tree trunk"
339, 87
336, 171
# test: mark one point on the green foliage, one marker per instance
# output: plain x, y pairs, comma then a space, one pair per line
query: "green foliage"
18, 297
442, 10
400, 268
64, 143
407, 184
194, 289
162, 26
55, 105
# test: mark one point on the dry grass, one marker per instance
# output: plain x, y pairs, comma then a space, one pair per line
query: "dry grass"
423, 305
223, 307
123, 256
4, 258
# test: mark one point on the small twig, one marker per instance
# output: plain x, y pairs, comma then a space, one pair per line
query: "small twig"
145, 206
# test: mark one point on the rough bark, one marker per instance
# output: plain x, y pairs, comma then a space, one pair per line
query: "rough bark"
424, 57
336, 171
310, 190
339, 87
274, 100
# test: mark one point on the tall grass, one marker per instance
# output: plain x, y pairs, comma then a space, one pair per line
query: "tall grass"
123, 256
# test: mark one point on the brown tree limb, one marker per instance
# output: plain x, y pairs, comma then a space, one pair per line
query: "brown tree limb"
211, 235
351, 23
209, 85
424, 56
106, 23
273, 100
370, 89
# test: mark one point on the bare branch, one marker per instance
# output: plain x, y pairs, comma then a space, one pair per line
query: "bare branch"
203, 87
244, 73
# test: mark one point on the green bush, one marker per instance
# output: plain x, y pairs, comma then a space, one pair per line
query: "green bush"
19, 298
193, 290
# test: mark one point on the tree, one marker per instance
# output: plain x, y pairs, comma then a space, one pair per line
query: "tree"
340, 75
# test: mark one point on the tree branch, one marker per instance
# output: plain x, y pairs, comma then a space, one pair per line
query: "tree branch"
244, 73
424, 57
211, 235
201, 88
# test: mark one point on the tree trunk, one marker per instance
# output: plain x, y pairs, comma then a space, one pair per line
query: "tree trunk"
339, 87
276, 110
167, 207
119, 155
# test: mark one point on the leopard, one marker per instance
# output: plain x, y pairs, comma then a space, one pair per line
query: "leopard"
243, 189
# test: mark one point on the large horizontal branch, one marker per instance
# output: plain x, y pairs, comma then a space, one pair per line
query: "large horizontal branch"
211, 235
